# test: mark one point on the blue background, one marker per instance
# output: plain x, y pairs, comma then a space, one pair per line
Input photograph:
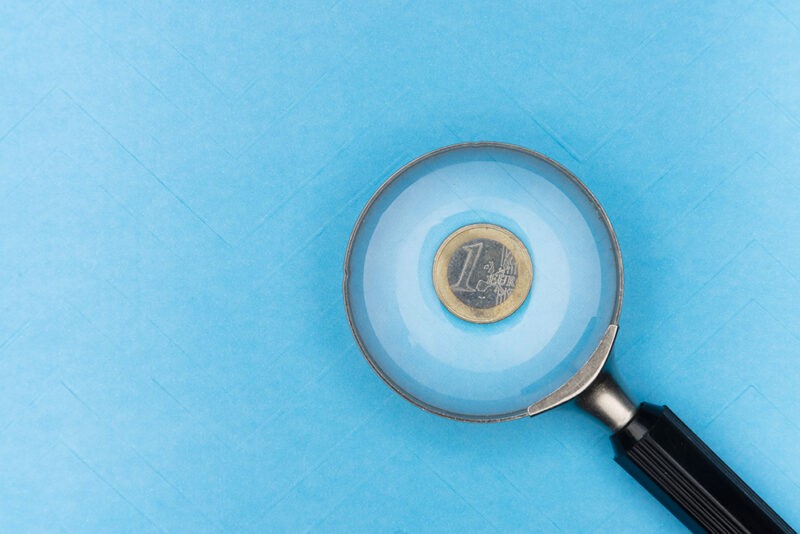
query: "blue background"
178, 181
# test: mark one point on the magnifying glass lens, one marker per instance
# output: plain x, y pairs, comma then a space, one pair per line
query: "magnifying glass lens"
480, 279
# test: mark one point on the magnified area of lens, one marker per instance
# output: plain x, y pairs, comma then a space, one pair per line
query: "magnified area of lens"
534, 219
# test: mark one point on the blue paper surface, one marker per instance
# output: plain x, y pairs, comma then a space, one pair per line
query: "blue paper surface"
178, 181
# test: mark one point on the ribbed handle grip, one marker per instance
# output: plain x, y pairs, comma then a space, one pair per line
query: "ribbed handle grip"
668, 459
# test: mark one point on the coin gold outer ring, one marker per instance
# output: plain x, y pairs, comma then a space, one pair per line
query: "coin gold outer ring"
450, 299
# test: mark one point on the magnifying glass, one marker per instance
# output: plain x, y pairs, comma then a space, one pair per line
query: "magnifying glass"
483, 282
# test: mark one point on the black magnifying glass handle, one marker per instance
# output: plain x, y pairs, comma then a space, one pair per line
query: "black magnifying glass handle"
668, 459
681, 471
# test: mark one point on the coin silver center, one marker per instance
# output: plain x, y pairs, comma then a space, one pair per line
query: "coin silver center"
482, 273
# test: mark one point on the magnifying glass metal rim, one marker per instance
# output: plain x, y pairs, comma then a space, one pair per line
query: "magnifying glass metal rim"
569, 389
